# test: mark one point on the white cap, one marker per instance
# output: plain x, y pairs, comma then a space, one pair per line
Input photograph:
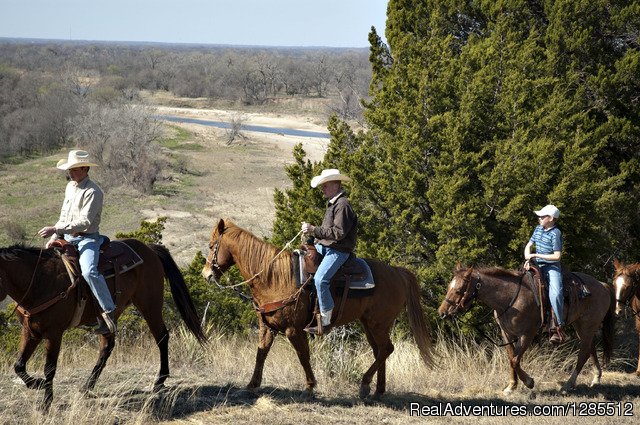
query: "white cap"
549, 210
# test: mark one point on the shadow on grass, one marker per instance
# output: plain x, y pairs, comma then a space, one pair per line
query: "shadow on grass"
181, 401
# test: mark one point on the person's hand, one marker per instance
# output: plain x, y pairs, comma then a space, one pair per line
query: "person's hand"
47, 231
526, 266
307, 228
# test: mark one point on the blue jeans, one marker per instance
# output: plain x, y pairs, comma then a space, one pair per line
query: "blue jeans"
330, 264
89, 250
554, 278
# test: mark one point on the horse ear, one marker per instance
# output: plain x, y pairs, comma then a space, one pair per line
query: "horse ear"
616, 264
220, 226
458, 266
468, 272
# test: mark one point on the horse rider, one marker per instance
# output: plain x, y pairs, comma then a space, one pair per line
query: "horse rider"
79, 224
335, 238
547, 239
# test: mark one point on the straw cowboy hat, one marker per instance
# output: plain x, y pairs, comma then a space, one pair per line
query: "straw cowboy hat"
327, 176
77, 158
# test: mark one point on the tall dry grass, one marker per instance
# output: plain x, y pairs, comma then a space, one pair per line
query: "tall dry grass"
207, 384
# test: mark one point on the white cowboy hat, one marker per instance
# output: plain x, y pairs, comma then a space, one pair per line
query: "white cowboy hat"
548, 210
77, 158
329, 175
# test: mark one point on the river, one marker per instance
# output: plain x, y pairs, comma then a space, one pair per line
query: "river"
262, 129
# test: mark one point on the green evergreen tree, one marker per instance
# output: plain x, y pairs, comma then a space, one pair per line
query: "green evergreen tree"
480, 113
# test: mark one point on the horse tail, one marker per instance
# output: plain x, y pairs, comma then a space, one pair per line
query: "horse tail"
180, 292
608, 329
418, 321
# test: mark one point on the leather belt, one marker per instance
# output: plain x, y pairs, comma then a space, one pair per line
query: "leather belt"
75, 235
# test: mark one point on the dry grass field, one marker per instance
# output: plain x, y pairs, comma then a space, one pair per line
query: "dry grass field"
207, 384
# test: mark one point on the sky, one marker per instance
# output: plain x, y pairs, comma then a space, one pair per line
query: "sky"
299, 23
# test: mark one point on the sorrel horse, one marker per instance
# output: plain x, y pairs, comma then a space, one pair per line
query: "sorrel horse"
272, 282
627, 287
33, 277
509, 294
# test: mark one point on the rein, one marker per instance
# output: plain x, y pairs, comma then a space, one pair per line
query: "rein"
17, 306
480, 323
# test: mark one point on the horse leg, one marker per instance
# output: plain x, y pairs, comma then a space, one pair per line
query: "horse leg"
382, 348
106, 347
148, 307
264, 345
300, 343
515, 357
638, 330
50, 366
27, 347
381, 383
586, 350
513, 377
597, 373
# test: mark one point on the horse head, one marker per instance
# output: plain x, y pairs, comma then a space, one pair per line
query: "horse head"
220, 258
459, 295
625, 282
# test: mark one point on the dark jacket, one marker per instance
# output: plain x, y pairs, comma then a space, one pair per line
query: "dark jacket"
340, 225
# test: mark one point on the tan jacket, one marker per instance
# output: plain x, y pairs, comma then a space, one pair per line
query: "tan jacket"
81, 209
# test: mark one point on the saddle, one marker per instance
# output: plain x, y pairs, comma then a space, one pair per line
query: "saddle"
115, 258
353, 274
573, 290
355, 271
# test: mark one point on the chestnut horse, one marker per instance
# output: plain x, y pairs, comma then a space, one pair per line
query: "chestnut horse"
509, 294
33, 277
269, 272
627, 287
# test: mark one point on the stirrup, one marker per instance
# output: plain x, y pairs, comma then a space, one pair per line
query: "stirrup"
319, 329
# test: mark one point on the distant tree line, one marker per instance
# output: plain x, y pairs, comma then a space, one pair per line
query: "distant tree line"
54, 94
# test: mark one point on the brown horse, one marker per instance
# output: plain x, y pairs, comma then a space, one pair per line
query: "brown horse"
510, 295
35, 277
272, 283
627, 287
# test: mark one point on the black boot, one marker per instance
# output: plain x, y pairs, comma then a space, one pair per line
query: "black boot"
107, 324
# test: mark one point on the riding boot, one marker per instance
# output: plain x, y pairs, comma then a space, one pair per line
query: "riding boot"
324, 324
107, 324
556, 336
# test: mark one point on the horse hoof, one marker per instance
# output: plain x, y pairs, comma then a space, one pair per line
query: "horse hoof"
507, 390
364, 391
158, 388
529, 383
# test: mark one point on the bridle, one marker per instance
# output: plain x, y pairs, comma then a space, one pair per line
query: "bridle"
214, 263
634, 287
466, 295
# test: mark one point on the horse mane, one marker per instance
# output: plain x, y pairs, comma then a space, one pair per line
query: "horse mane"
14, 252
499, 272
259, 255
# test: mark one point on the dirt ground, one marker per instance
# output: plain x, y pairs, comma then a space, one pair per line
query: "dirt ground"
234, 181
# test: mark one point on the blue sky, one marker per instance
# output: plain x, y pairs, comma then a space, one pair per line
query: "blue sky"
332, 23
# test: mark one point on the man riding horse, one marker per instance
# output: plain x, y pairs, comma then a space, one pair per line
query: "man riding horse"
336, 239
79, 224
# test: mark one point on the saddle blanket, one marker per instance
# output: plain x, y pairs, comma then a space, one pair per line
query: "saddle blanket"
367, 283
